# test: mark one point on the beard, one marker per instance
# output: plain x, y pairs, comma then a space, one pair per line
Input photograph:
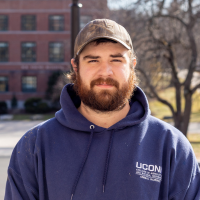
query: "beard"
106, 100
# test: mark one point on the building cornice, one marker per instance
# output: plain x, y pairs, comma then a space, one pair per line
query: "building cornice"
34, 11
34, 32
34, 63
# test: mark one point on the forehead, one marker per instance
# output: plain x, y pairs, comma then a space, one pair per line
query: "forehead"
101, 47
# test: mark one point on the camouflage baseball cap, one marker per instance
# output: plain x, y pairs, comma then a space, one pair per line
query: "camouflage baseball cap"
102, 28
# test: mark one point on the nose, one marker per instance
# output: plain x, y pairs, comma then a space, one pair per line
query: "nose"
105, 69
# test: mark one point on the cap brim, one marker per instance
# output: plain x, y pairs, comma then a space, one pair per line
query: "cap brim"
92, 39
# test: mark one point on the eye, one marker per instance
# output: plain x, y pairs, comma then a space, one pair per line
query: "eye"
116, 60
90, 61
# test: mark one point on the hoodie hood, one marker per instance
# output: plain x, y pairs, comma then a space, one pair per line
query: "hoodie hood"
70, 117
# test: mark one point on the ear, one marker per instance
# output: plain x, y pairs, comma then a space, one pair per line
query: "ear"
134, 62
74, 65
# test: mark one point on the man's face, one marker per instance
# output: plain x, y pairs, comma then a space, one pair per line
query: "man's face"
105, 80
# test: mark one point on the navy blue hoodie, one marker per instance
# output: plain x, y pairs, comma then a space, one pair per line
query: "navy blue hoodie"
68, 157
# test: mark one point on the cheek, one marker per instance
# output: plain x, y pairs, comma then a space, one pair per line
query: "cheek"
124, 74
88, 72
86, 75
83, 71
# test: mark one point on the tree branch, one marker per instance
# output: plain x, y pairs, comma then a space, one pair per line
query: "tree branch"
155, 93
197, 15
190, 8
161, 7
173, 17
170, 59
195, 88
192, 65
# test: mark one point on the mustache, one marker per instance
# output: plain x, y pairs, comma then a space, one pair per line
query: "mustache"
108, 81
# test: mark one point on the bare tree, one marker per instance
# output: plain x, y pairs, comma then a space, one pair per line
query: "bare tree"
57, 88
166, 39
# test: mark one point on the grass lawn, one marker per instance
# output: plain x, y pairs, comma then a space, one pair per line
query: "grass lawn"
28, 116
160, 110
196, 148
195, 142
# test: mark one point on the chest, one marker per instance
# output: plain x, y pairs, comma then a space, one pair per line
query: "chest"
131, 172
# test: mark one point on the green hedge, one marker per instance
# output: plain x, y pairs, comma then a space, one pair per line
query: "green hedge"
36, 105
3, 107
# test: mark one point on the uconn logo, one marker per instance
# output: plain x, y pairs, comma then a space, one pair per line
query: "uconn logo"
151, 168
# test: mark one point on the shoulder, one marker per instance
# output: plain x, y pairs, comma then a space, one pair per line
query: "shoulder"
175, 143
165, 129
40, 128
35, 131
27, 142
26, 149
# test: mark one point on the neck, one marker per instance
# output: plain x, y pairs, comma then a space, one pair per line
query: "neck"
103, 119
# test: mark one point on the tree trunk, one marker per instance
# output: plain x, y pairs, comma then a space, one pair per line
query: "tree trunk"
182, 119
178, 120
187, 113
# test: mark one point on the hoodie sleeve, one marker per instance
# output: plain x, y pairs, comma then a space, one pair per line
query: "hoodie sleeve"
184, 173
22, 176
16, 189
190, 193
193, 191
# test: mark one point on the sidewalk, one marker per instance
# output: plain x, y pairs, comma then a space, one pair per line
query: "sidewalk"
11, 132
4, 161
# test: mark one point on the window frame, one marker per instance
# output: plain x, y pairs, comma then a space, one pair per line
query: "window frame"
22, 21
35, 60
6, 60
7, 22
56, 61
7, 84
24, 89
62, 21
81, 26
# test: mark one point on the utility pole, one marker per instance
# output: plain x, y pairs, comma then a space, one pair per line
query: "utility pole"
75, 22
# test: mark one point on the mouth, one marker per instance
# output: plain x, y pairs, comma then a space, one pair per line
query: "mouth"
104, 85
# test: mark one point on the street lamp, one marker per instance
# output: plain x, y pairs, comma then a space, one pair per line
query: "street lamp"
75, 22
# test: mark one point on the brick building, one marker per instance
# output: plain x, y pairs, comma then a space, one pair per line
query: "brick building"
35, 42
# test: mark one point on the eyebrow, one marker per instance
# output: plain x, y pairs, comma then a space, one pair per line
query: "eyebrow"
90, 57
118, 55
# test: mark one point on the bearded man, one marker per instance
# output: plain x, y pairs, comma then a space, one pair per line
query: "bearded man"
103, 143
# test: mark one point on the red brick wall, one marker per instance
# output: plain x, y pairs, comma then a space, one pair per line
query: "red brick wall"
42, 69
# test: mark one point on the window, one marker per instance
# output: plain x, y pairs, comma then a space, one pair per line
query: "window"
28, 51
56, 52
3, 22
3, 51
56, 23
29, 84
84, 20
3, 84
28, 23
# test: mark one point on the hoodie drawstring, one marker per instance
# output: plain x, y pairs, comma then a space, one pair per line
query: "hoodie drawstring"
107, 160
84, 161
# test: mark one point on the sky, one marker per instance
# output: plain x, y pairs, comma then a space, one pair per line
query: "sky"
116, 4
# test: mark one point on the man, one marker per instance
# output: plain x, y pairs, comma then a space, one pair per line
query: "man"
103, 143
